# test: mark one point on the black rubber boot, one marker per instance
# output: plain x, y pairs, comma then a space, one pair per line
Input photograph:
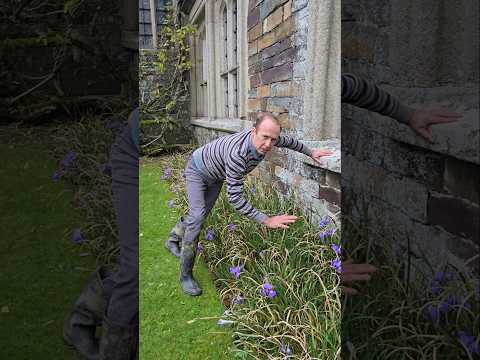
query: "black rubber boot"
80, 326
188, 283
174, 241
118, 342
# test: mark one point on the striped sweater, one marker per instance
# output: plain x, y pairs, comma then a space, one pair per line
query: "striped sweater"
365, 94
231, 158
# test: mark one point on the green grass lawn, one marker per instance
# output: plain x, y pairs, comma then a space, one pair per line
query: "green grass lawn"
42, 272
165, 311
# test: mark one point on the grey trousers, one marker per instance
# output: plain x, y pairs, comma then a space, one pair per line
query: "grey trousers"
202, 194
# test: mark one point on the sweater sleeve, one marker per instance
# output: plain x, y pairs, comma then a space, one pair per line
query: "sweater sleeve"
235, 169
365, 94
289, 142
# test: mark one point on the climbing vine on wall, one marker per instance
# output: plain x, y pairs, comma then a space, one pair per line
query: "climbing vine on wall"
166, 108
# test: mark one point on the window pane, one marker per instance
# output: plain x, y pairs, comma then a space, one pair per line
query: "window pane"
234, 30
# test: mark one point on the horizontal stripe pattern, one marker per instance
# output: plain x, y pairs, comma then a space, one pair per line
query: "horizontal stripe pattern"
365, 94
231, 158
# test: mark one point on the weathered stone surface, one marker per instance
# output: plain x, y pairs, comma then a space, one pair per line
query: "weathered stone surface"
402, 193
286, 28
255, 32
462, 179
254, 68
455, 215
255, 80
276, 48
333, 180
330, 194
299, 70
253, 17
299, 5
286, 89
266, 40
263, 91
285, 122
287, 10
268, 6
273, 20
252, 48
252, 93
279, 73
286, 56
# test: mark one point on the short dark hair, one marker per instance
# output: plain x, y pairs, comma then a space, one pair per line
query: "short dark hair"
261, 116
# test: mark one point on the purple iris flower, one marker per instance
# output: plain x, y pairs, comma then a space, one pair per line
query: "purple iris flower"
231, 227
210, 235
322, 235
432, 313
235, 271
68, 159
331, 231
200, 247
170, 204
285, 349
77, 236
56, 176
450, 301
324, 221
223, 322
166, 174
337, 249
267, 290
468, 340
337, 265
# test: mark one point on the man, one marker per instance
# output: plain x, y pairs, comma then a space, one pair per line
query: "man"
110, 299
232, 157
229, 158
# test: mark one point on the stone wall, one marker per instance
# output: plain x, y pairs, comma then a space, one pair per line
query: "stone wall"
426, 195
278, 66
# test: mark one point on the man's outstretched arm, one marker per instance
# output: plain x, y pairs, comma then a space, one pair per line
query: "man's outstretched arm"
365, 94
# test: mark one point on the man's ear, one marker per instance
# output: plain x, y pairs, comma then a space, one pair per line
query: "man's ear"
254, 130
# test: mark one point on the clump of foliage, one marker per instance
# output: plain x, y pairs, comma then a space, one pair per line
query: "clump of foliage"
166, 110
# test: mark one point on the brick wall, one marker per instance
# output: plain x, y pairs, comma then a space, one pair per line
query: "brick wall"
426, 195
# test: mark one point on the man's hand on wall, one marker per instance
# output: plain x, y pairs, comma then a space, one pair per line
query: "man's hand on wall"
318, 153
280, 221
354, 272
422, 120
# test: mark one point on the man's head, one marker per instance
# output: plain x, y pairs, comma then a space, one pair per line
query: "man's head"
265, 132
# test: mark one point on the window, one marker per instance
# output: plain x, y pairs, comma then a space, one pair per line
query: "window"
151, 17
229, 66
220, 45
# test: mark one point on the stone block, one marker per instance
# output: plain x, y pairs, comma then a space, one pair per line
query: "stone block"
455, 215
254, 68
287, 89
267, 7
299, 4
284, 57
253, 17
255, 32
462, 179
285, 122
333, 180
255, 80
263, 91
252, 48
276, 48
285, 29
287, 10
330, 194
266, 40
279, 73
273, 20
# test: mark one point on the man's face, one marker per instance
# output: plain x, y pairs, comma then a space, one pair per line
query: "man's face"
265, 136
